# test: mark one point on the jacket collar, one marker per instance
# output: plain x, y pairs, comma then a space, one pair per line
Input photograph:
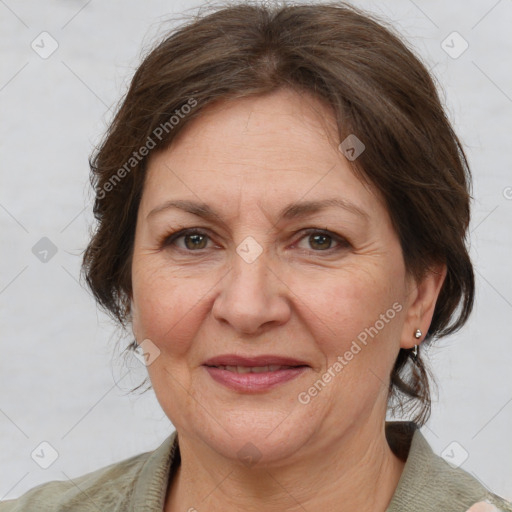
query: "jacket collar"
427, 484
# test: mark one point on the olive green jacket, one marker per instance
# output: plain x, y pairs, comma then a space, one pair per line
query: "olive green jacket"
139, 484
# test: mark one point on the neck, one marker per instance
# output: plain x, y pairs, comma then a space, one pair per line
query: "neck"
358, 473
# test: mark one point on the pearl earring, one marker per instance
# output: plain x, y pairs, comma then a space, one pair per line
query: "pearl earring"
418, 334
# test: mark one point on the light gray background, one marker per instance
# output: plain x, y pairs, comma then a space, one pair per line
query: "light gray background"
61, 377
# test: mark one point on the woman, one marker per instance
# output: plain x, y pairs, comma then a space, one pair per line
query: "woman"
282, 212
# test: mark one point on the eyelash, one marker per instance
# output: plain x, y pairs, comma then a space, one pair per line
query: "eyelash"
169, 240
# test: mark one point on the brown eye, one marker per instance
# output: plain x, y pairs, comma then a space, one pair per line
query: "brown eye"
195, 241
187, 240
319, 240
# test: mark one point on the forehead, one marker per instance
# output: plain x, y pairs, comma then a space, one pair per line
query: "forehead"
281, 145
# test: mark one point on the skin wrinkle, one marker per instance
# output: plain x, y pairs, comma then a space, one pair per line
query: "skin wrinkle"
331, 452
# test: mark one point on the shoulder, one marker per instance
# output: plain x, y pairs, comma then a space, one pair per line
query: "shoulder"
109, 488
429, 483
98, 490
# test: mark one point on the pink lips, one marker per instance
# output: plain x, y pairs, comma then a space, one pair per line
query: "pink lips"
253, 382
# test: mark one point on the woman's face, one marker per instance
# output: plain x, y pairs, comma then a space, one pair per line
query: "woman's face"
289, 256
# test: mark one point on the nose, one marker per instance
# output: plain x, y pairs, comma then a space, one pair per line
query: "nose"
252, 298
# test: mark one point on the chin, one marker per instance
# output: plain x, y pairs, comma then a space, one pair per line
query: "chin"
260, 451
257, 438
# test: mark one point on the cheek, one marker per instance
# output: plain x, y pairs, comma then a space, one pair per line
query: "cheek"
355, 323
165, 309
353, 306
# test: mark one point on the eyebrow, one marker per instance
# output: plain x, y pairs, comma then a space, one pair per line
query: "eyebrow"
292, 211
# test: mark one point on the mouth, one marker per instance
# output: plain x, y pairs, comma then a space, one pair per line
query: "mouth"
253, 374
260, 361
256, 369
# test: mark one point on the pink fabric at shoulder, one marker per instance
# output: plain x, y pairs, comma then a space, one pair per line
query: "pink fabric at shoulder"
483, 506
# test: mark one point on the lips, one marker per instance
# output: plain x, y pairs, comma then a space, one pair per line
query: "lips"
233, 360
254, 369
253, 374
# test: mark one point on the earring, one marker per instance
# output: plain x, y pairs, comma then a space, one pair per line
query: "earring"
417, 335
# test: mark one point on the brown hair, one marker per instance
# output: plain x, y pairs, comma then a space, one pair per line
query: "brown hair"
377, 88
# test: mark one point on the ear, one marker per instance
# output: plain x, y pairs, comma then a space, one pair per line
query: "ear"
422, 295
